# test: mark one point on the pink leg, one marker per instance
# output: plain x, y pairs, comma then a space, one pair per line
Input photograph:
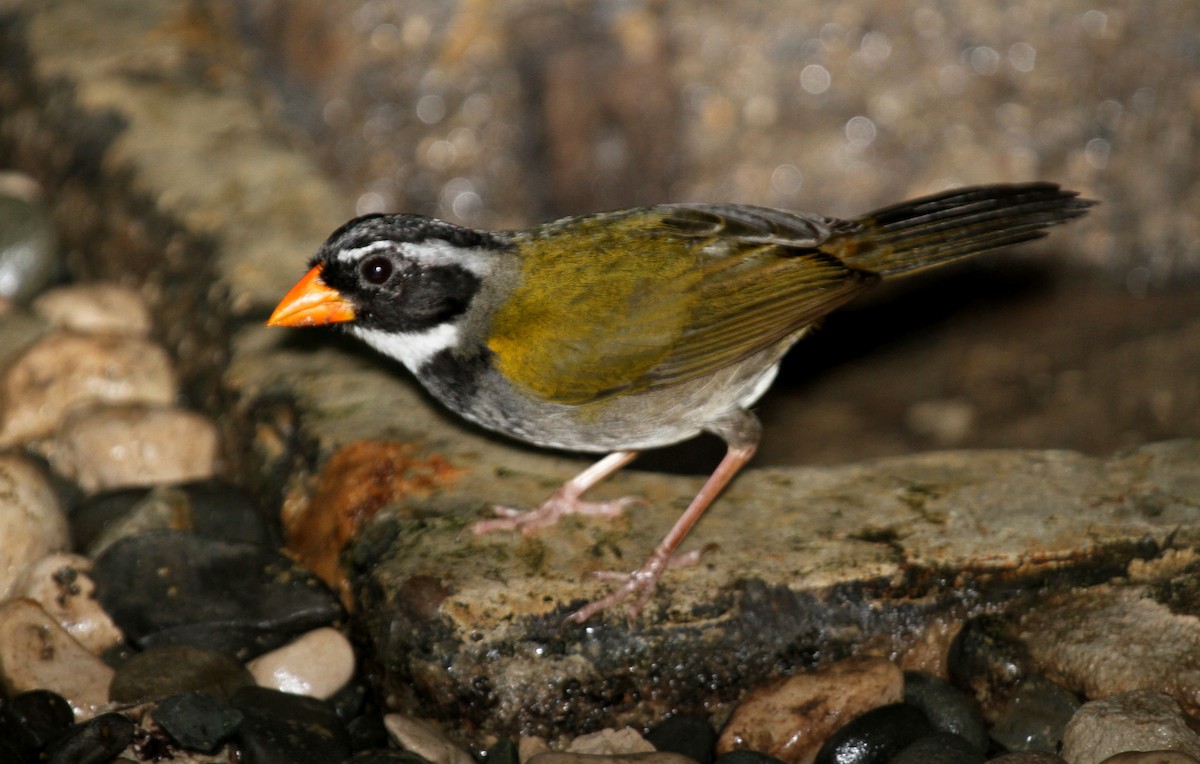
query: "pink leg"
640, 583
565, 501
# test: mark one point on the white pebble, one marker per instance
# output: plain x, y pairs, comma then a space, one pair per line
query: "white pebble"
65, 371
32, 523
36, 653
60, 584
95, 308
317, 664
135, 445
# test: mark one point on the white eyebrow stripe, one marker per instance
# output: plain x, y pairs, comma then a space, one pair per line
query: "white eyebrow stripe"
350, 255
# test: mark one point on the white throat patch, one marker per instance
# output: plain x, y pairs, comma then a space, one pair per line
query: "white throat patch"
413, 349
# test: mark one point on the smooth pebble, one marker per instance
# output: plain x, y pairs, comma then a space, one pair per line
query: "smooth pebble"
1142, 720
32, 522
95, 308
60, 583
317, 664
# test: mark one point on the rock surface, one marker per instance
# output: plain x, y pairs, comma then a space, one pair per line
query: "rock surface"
32, 522
61, 585
1142, 720
792, 718
98, 308
111, 447
37, 653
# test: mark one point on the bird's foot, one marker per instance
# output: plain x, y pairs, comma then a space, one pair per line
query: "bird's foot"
640, 584
561, 503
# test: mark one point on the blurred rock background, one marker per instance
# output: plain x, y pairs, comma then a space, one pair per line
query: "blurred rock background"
500, 114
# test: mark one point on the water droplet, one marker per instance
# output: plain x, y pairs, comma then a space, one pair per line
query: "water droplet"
431, 108
1095, 23
1022, 56
815, 79
984, 60
860, 131
1096, 153
787, 179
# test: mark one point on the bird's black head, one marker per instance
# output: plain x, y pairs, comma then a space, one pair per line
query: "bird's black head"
404, 274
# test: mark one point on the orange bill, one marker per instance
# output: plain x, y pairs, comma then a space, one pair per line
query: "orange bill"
310, 303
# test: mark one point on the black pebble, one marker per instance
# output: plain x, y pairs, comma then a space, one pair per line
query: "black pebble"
747, 757
503, 751
987, 658
367, 732
197, 721
688, 734
279, 728
30, 720
876, 736
386, 756
171, 669
96, 741
211, 509
947, 709
171, 587
940, 748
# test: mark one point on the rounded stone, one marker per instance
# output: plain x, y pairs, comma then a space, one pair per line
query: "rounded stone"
939, 748
791, 717
32, 523
687, 734
1034, 716
64, 371
279, 727
947, 709
95, 308
30, 259
95, 741
37, 653
172, 587
60, 583
160, 672
1143, 720
317, 664
119, 446
31, 720
197, 721
876, 736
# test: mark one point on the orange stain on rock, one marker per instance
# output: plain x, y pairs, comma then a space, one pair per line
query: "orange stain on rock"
357, 481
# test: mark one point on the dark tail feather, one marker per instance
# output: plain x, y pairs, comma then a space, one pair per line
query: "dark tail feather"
934, 230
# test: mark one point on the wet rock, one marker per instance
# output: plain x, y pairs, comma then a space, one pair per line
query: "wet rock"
37, 653
95, 741
106, 308
1027, 757
947, 709
687, 734
655, 757
197, 721
386, 757
989, 659
170, 587
1151, 757
119, 446
211, 508
939, 748
791, 717
427, 741
166, 670
746, 757
31, 720
317, 664
876, 736
30, 259
368, 731
610, 742
1108, 639
503, 751
1034, 716
61, 585
32, 523
282, 728
1142, 720
64, 371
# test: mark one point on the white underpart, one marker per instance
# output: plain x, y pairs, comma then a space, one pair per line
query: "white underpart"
412, 349
428, 252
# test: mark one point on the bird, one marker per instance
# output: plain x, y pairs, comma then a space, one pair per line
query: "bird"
622, 331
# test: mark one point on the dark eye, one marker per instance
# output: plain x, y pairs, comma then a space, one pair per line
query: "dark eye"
376, 270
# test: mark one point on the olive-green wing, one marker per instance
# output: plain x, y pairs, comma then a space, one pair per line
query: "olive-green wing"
662, 295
